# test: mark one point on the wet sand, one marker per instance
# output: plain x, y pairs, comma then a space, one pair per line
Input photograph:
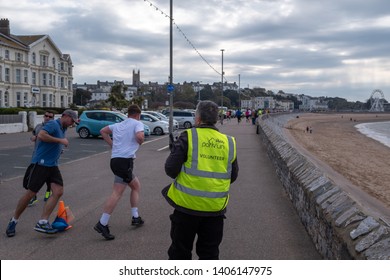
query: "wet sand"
347, 155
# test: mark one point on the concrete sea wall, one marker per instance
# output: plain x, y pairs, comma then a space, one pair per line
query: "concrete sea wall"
338, 226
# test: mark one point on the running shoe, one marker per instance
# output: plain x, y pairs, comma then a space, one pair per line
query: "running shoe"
45, 228
47, 195
137, 221
104, 230
11, 228
32, 201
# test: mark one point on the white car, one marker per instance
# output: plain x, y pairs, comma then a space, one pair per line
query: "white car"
156, 126
162, 117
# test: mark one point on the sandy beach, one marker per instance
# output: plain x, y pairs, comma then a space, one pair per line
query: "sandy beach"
344, 152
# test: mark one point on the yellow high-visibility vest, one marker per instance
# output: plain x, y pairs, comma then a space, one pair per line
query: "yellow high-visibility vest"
204, 181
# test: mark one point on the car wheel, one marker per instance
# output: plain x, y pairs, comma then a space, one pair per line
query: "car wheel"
187, 125
84, 132
158, 131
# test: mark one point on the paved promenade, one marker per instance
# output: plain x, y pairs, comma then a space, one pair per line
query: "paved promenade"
261, 222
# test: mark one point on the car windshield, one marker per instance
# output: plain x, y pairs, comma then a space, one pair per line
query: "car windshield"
149, 118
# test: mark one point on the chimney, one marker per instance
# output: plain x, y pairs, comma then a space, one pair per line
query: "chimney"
4, 27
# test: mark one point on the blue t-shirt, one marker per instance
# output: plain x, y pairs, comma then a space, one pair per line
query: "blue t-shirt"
48, 153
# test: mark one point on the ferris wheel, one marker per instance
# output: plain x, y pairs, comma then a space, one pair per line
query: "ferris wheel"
377, 98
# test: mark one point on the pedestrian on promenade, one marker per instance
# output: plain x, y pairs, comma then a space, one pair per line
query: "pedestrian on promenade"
247, 114
127, 136
43, 168
238, 115
254, 116
203, 164
48, 116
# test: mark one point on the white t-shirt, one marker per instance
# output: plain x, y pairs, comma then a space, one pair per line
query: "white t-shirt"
124, 143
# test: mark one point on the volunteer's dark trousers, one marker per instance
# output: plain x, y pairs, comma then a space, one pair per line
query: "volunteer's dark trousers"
185, 227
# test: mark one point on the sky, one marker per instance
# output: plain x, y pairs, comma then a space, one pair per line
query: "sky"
333, 48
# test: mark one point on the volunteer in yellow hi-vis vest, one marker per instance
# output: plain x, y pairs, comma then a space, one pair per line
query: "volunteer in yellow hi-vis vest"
203, 163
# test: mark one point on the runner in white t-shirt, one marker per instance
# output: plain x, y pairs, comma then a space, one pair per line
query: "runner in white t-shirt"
127, 136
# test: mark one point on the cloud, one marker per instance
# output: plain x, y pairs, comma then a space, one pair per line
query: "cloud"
327, 48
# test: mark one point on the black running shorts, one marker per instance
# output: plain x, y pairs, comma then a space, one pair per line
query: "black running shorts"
37, 175
123, 168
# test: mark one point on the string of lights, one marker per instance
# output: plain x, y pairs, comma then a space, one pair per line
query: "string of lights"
184, 35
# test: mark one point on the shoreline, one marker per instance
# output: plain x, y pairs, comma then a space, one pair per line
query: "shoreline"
353, 160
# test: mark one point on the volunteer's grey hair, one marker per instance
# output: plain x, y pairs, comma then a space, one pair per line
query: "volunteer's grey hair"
207, 111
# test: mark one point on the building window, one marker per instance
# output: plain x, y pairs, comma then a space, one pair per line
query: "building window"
19, 56
54, 62
1, 73
25, 77
50, 79
44, 79
34, 78
62, 82
44, 100
50, 100
62, 101
25, 96
18, 95
7, 76
18, 75
34, 59
6, 99
6, 54
43, 60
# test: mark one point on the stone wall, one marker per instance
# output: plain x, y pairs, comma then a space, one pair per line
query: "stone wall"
338, 226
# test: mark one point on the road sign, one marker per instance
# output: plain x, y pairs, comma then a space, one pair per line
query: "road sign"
170, 88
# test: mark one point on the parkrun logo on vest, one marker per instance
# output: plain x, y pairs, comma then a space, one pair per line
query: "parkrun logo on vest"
214, 144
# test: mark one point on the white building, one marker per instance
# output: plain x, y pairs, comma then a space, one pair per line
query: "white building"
311, 104
33, 71
260, 102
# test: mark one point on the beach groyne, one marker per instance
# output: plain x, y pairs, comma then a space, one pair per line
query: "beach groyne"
339, 227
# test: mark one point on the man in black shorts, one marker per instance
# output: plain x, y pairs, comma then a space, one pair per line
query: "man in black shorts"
43, 168
48, 116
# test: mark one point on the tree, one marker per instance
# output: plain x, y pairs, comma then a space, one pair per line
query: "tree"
207, 93
117, 96
81, 96
187, 95
138, 100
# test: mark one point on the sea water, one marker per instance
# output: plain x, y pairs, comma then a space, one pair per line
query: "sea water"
379, 131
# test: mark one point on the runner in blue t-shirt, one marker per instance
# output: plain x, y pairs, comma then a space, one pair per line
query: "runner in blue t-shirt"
44, 167
48, 116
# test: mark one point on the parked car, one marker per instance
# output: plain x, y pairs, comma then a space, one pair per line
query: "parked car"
91, 122
162, 117
156, 126
186, 119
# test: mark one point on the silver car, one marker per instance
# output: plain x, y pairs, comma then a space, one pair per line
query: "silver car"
156, 126
162, 117
186, 119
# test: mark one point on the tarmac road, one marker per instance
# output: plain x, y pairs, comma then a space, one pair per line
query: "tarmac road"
261, 222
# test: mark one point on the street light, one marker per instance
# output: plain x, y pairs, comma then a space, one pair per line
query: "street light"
199, 91
222, 50
239, 87
171, 71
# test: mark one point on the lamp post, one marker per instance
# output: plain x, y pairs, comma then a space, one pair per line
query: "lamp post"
222, 50
199, 91
239, 88
171, 72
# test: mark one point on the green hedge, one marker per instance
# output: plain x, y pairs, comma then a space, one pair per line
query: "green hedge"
39, 110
